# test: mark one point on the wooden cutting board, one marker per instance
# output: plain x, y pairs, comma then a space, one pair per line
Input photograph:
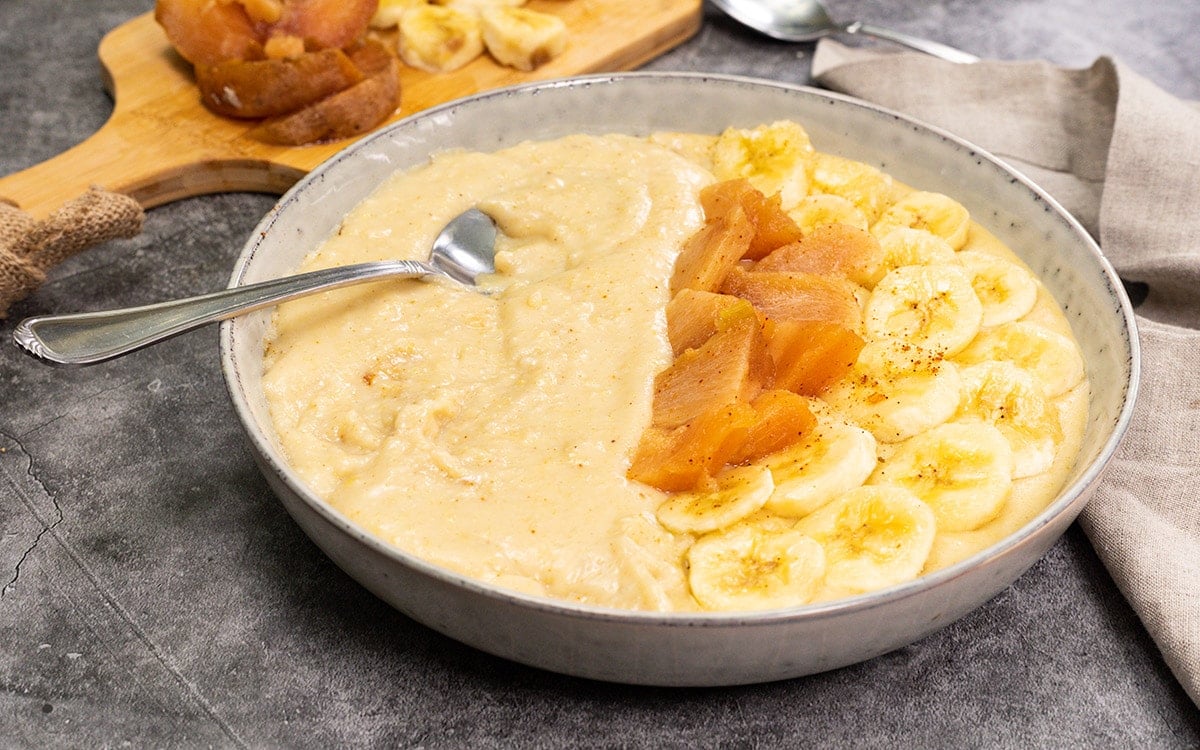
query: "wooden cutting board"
160, 143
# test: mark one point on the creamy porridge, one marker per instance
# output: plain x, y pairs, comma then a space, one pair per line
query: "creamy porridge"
494, 434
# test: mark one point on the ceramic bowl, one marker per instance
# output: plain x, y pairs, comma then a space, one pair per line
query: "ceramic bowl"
692, 649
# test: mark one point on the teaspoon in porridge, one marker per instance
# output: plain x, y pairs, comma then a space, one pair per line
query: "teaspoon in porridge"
808, 20
463, 251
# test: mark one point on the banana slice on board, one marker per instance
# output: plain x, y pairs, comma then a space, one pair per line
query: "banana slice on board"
1004, 395
439, 39
873, 537
773, 157
1053, 359
897, 390
748, 568
521, 38
933, 212
963, 471
1006, 290
934, 307
739, 492
836, 457
388, 12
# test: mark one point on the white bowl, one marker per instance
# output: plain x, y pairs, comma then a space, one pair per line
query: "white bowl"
693, 649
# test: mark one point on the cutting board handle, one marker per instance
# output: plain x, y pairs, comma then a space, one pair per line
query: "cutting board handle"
152, 169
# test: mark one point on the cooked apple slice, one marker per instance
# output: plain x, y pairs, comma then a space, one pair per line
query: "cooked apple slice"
347, 113
734, 365
206, 32
797, 296
709, 254
266, 88
772, 225
810, 355
832, 250
329, 23
694, 316
781, 418
685, 457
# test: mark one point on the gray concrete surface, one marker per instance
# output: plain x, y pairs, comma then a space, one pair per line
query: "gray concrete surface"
154, 594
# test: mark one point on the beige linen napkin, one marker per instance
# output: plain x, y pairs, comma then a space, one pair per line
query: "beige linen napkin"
1124, 157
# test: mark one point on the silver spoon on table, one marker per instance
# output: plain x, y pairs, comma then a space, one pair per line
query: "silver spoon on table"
808, 20
463, 251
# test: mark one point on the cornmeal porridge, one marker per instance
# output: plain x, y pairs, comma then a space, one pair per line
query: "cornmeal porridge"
537, 437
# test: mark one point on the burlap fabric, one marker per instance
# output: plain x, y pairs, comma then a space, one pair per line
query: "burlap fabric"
1124, 157
29, 248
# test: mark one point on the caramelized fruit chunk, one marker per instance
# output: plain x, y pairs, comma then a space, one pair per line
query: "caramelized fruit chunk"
810, 355
687, 457
328, 23
694, 316
831, 249
297, 63
265, 88
749, 345
772, 226
733, 366
781, 419
347, 113
797, 296
709, 255
207, 32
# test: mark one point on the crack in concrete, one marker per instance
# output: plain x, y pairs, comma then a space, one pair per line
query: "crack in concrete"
46, 527
187, 686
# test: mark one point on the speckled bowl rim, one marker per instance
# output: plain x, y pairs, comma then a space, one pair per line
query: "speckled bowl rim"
1070, 499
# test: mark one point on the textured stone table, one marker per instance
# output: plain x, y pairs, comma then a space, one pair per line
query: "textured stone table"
154, 594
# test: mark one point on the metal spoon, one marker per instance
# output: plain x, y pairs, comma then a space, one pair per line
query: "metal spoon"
464, 250
808, 20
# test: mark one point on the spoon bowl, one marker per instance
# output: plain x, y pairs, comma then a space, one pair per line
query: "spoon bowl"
809, 20
463, 251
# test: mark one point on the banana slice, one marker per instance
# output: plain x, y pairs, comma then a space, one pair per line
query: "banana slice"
873, 537
933, 212
739, 492
1053, 359
1002, 394
521, 38
746, 568
652, 558
835, 458
933, 307
814, 210
388, 12
905, 246
1006, 290
963, 471
773, 157
897, 390
439, 39
863, 185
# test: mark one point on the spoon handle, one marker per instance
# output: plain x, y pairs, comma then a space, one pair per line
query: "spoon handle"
89, 338
921, 45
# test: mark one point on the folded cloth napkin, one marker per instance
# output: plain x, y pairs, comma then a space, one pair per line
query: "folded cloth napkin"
1124, 157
